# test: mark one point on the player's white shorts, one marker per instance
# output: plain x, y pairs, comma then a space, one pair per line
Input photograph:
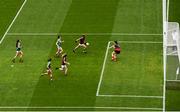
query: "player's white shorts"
63, 67
82, 45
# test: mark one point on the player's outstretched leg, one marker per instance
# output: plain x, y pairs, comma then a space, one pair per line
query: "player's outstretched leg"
51, 77
14, 59
65, 71
85, 47
74, 50
21, 55
59, 52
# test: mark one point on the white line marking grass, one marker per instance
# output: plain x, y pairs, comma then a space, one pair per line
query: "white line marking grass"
173, 80
103, 68
102, 72
141, 42
124, 108
132, 96
12, 22
71, 34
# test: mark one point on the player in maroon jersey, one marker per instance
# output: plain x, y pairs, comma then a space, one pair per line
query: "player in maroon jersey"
116, 51
64, 64
82, 43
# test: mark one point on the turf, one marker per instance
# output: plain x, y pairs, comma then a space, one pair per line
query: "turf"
172, 64
8, 10
173, 11
138, 71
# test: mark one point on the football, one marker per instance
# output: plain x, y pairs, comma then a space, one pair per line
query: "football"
87, 44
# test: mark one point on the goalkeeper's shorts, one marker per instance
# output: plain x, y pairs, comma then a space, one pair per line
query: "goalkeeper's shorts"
117, 50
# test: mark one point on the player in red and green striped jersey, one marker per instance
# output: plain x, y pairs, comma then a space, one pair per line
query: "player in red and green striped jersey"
116, 51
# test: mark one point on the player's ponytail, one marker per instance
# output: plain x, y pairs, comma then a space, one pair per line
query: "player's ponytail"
49, 59
116, 42
17, 43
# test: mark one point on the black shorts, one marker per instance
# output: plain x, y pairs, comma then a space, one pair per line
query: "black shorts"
117, 52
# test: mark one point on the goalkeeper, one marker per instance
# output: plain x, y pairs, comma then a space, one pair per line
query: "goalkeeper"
116, 51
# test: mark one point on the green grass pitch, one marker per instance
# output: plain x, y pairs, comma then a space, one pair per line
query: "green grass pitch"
94, 82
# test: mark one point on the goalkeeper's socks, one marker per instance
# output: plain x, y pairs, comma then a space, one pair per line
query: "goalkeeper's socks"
114, 58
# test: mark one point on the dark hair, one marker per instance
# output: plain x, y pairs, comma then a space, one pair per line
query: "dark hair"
116, 42
17, 43
49, 59
65, 55
83, 35
58, 36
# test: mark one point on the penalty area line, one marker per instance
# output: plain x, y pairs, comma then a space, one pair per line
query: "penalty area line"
141, 42
103, 68
131, 96
13, 21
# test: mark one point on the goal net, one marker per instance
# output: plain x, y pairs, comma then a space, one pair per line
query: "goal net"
173, 51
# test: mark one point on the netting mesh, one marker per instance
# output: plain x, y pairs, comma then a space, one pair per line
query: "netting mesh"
173, 40
173, 51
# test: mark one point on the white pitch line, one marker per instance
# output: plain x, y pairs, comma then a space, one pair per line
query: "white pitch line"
33, 34
141, 42
71, 34
173, 80
13, 22
165, 29
125, 108
131, 96
102, 72
104, 63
